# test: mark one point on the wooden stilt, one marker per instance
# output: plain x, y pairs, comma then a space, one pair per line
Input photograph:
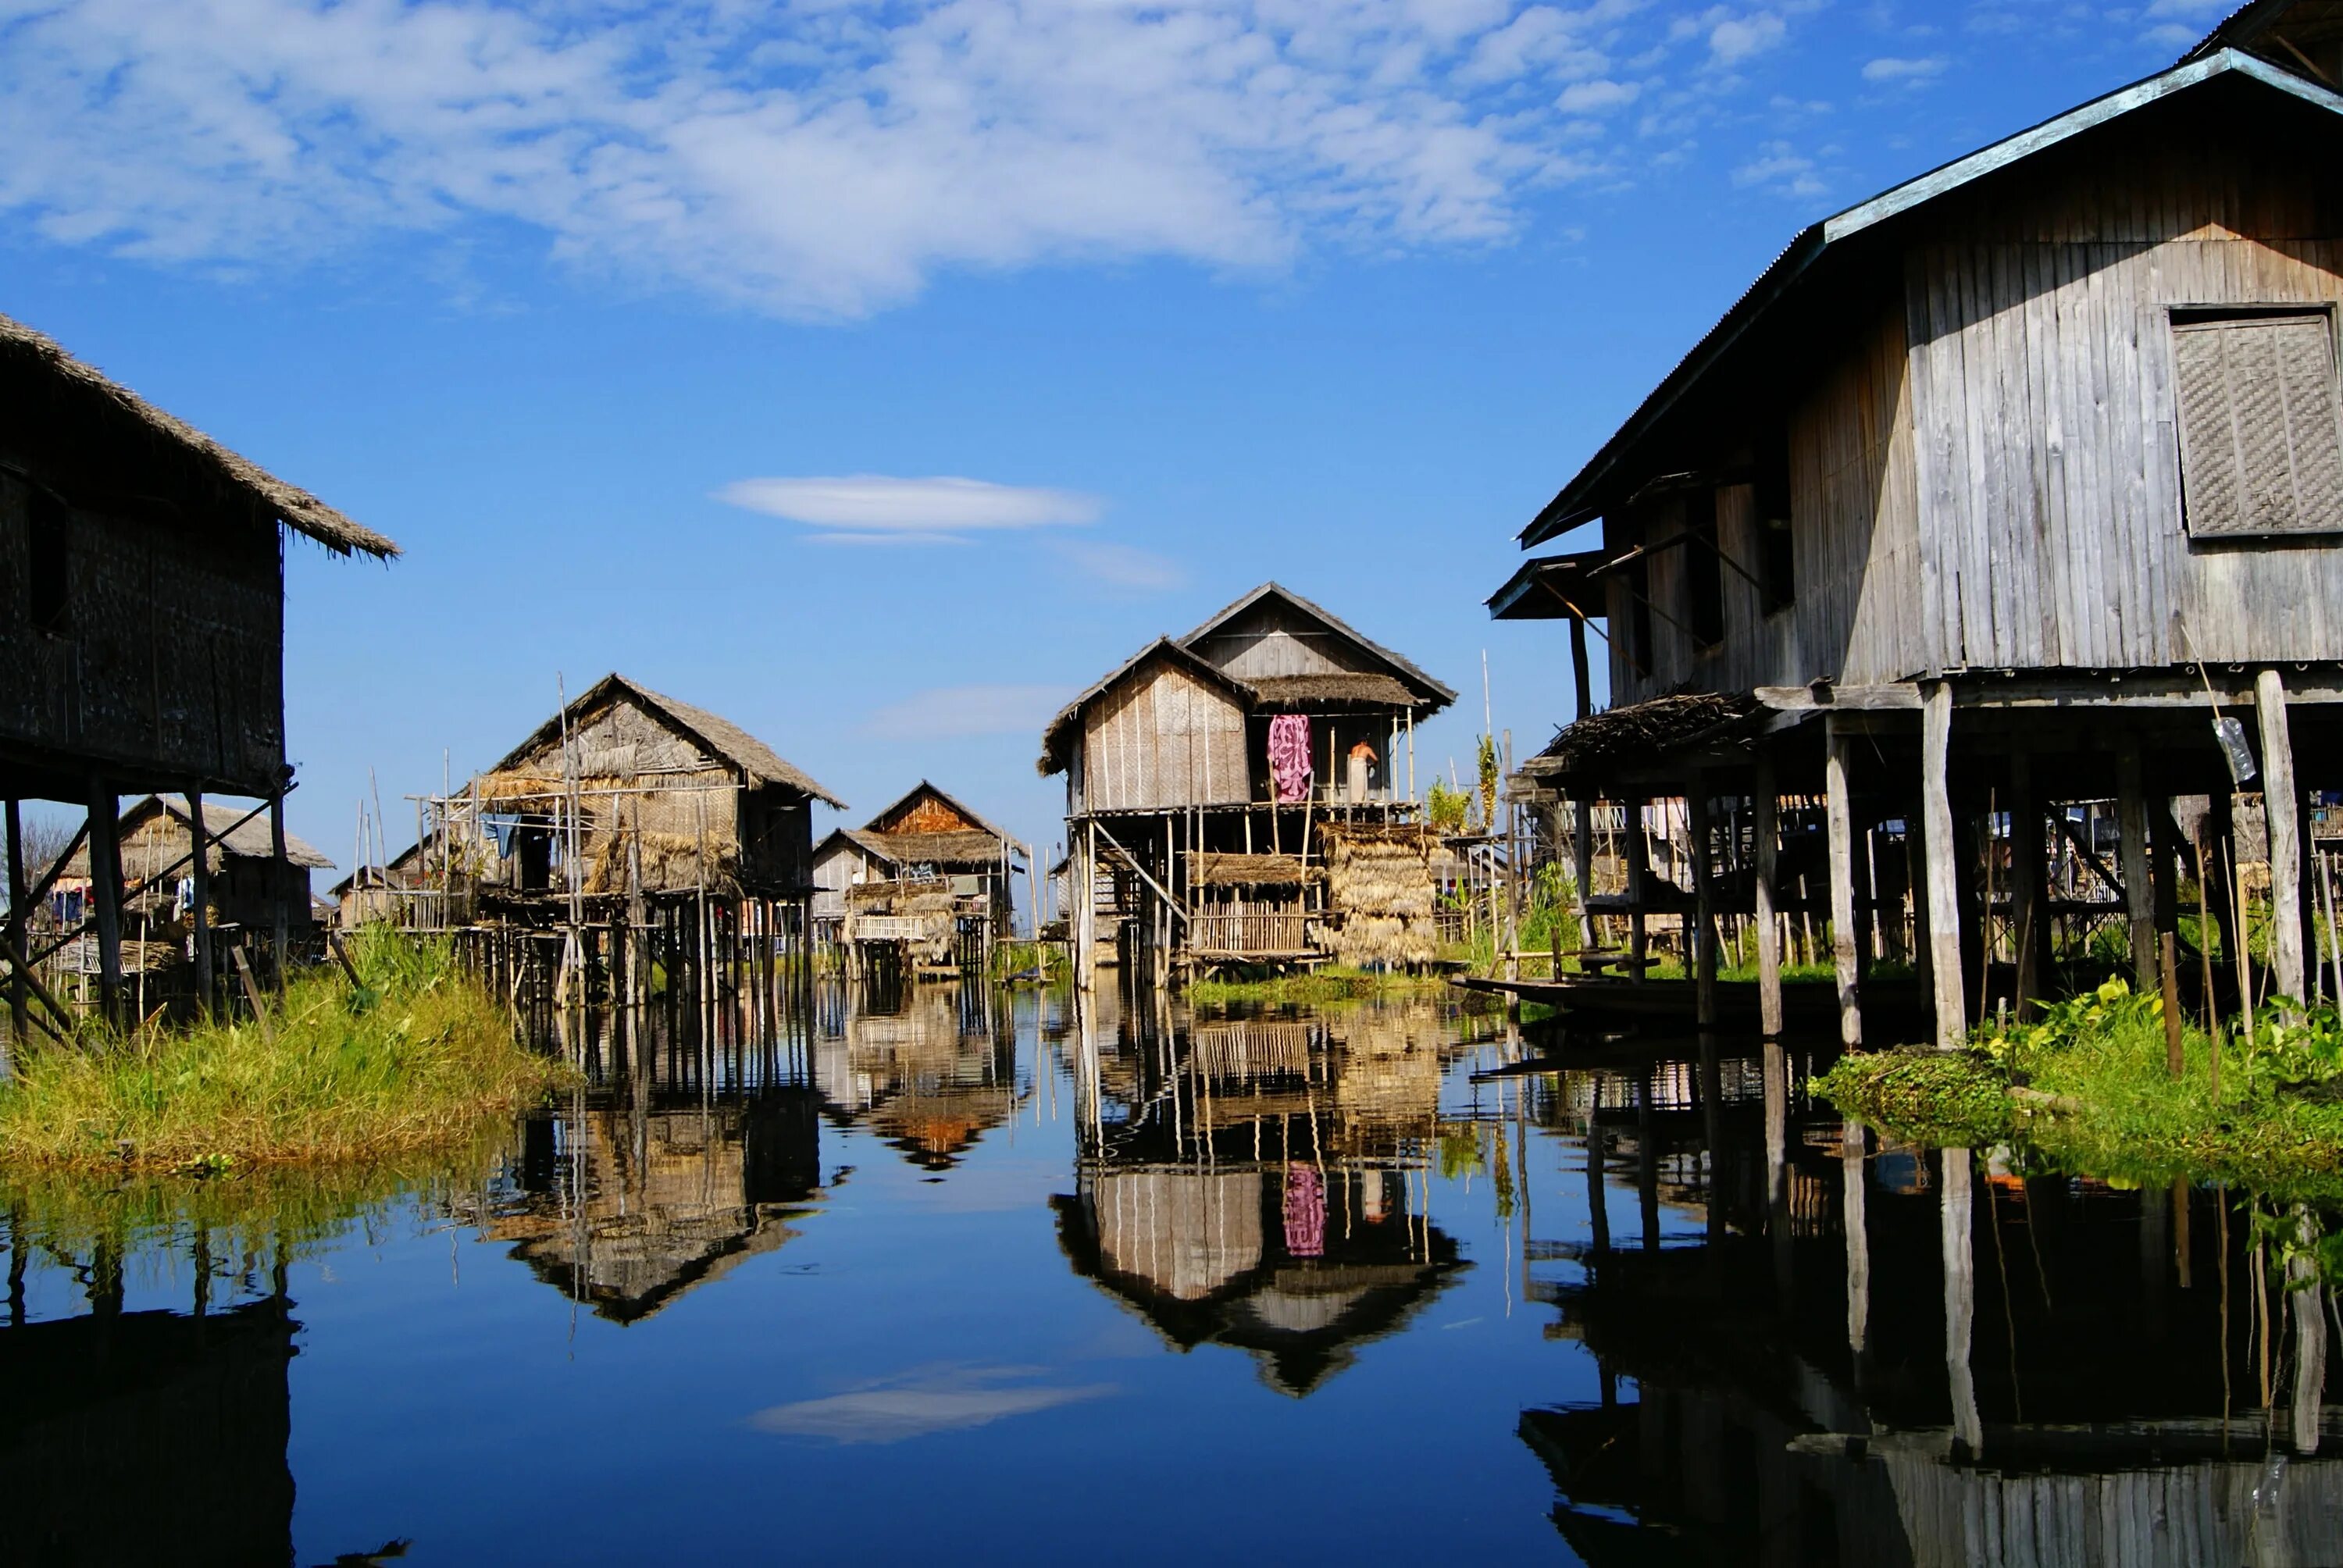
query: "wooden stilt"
2139, 879
1639, 941
199, 864
20, 1012
2028, 907
1582, 865
2281, 809
106, 893
1942, 866
1703, 952
1838, 810
1769, 924
281, 873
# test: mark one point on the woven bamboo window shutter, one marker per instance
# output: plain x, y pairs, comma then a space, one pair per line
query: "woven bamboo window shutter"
2261, 432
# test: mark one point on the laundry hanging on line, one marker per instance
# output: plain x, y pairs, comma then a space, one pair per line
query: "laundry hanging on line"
1289, 758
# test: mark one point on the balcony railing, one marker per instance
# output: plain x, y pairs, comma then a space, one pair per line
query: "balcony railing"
1249, 935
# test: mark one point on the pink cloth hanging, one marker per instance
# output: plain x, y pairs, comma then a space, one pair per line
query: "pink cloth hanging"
1305, 1212
1289, 758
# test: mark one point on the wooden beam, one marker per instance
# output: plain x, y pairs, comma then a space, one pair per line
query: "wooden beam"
1942, 871
2280, 807
281, 934
1639, 872
1582, 683
1768, 921
1838, 813
2139, 892
1822, 697
1703, 935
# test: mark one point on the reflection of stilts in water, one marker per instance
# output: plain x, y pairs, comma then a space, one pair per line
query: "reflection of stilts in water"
1777, 1171
1960, 1299
1852, 1135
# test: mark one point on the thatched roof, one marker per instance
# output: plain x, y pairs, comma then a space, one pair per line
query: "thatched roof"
1640, 731
1426, 691
252, 841
1361, 690
964, 848
719, 738
1208, 869
84, 392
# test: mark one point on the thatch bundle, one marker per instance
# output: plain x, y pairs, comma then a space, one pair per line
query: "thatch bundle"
1211, 869
671, 862
1380, 896
1640, 731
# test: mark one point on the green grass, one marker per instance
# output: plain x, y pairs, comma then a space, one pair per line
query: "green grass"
1332, 982
1015, 961
420, 1059
2097, 1099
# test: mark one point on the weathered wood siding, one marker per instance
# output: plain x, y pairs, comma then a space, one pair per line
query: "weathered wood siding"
2049, 452
169, 664
1163, 737
1274, 639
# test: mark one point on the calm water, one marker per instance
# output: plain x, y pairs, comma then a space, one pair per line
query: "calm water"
946, 1275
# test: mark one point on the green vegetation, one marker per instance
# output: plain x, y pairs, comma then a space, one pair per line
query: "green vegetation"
1448, 809
1031, 963
418, 1057
2085, 1088
1332, 982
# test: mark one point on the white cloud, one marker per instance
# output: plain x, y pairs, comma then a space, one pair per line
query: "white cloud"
821, 160
961, 710
1778, 168
1737, 39
866, 509
1891, 69
946, 1401
1596, 97
1122, 566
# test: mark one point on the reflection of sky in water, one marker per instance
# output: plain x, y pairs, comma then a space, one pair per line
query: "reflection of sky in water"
1292, 1286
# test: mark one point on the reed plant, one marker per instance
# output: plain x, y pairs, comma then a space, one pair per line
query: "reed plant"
417, 1055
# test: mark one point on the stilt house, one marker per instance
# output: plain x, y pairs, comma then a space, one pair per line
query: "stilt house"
141, 646
1204, 775
1984, 500
927, 879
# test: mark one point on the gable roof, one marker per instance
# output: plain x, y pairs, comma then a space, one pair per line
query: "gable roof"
1053, 738
721, 737
1427, 689
1596, 486
926, 787
2287, 33
25, 351
250, 841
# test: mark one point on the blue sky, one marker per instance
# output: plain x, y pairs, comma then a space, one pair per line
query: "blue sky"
877, 375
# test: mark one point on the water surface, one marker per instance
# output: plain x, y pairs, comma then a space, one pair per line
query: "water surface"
952, 1273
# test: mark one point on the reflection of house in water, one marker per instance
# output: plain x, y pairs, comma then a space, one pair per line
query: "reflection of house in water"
1935, 1364
1264, 1185
929, 1068
641, 1195
148, 1437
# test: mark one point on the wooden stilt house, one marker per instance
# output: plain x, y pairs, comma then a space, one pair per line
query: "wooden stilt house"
1204, 773
1979, 506
141, 643
927, 879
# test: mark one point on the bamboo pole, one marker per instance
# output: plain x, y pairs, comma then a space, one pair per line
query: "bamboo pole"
2281, 807
19, 1009
106, 889
200, 860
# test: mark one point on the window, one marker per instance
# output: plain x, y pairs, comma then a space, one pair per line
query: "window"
1703, 569
1777, 564
47, 567
2261, 434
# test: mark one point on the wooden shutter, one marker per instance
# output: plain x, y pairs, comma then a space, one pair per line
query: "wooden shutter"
2261, 434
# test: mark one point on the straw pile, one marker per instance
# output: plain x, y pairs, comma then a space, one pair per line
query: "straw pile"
1639, 732
1380, 897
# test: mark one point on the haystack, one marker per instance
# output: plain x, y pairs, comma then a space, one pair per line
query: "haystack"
1380, 896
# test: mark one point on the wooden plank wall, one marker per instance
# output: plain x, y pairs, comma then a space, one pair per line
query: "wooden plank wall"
2042, 390
1163, 737
1274, 639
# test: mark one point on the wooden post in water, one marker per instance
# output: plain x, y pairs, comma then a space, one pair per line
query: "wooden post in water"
1769, 924
2139, 892
106, 893
2029, 909
1582, 865
1838, 807
1851, 1137
1639, 876
280, 871
2281, 805
1960, 1301
20, 1012
1943, 895
200, 867
1703, 936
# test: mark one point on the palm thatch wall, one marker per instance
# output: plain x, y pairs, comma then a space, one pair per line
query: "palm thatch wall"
1379, 895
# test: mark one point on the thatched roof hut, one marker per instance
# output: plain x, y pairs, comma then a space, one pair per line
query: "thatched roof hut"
240, 858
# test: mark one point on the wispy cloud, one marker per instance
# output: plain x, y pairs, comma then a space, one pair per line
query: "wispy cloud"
1779, 167
968, 710
880, 509
1737, 39
817, 160
1892, 69
1596, 97
917, 1406
1122, 566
